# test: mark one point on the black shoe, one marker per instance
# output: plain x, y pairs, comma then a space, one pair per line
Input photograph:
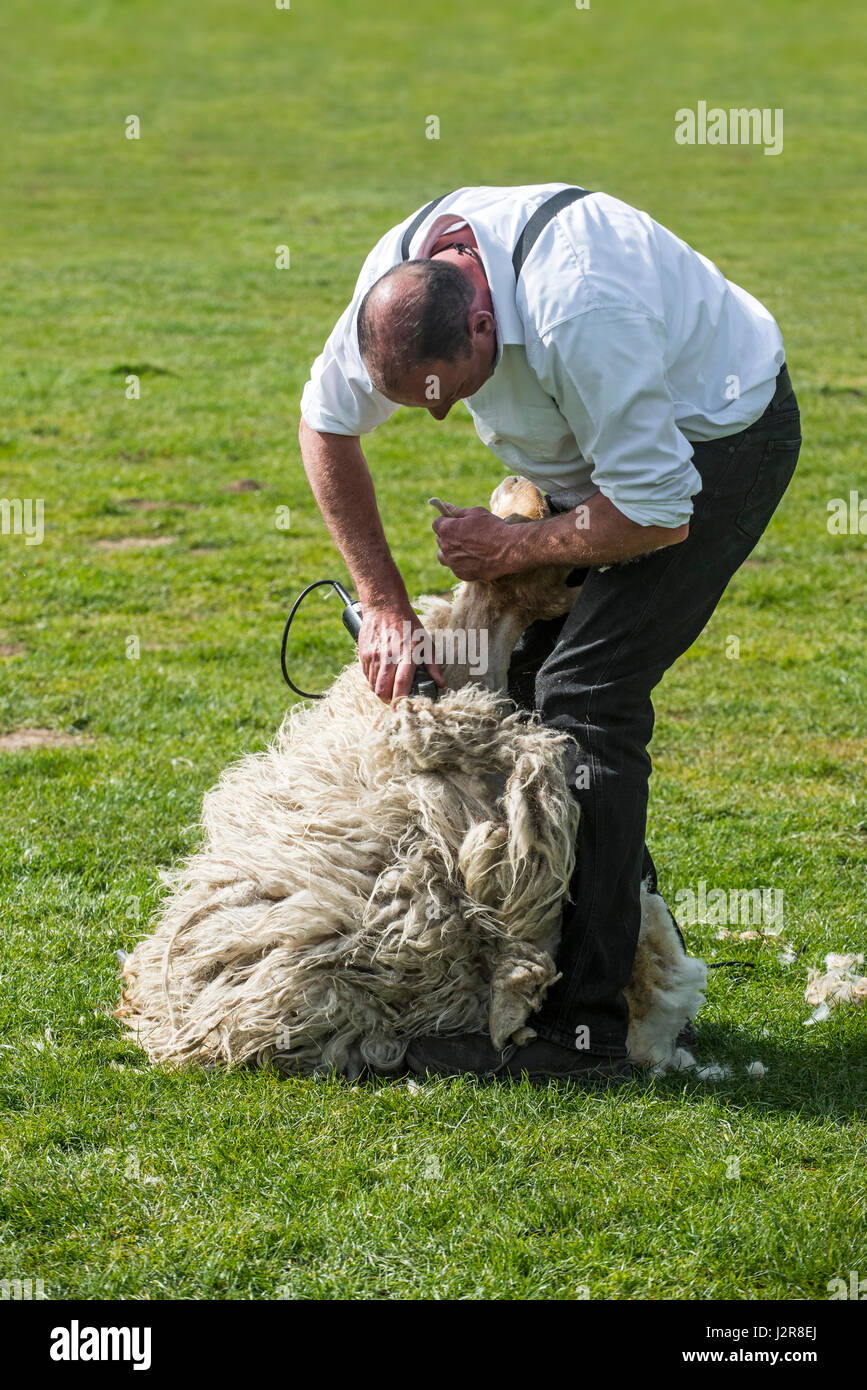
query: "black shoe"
473, 1054
469, 1054
541, 1060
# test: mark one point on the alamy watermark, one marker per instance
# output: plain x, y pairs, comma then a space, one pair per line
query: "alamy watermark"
451, 647
77, 1343
736, 126
856, 1287
22, 1290
848, 516
23, 516
729, 907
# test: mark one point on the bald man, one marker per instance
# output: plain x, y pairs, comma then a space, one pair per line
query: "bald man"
604, 358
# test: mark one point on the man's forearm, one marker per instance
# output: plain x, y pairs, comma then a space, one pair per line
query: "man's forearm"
340, 479
604, 537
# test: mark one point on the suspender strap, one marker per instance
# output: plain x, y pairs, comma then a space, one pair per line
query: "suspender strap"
540, 219
529, 236
416, 223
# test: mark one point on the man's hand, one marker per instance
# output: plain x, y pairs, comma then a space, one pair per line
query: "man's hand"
475, 544
389, 635
390, 629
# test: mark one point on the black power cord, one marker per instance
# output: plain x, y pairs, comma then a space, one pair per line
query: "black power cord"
422, 683
348, 603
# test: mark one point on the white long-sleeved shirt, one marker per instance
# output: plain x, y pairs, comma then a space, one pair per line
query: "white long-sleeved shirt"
618, 348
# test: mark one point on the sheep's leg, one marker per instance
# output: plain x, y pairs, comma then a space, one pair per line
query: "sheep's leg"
666, 988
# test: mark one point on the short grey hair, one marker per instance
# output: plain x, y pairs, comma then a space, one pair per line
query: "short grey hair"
426, 324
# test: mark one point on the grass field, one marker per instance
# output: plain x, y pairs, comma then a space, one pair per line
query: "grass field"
156, 257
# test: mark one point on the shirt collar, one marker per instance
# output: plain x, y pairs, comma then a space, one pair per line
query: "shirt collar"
497, 261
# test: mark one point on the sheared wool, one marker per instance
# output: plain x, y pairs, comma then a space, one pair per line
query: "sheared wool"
384, 872
756, 1070
839, 983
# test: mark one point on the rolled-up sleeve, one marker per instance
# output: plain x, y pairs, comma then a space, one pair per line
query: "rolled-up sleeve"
340, 398
605, 368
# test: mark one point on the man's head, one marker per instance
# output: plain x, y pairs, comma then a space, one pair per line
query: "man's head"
426, 332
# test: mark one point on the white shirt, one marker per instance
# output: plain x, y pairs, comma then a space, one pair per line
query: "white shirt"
617, 349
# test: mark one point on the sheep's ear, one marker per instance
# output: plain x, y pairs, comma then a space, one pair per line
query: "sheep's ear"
444, 508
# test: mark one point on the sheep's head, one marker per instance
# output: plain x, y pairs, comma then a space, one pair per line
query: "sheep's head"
517, 499
543, 592
489, 616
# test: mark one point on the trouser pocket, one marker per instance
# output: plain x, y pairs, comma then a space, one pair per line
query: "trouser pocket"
773, 475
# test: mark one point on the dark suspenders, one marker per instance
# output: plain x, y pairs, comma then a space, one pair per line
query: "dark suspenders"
540, 219
529, 236
416, 223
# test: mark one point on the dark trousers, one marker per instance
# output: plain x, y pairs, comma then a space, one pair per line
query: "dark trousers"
592, 674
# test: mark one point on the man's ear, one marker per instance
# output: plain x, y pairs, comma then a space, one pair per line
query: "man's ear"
481, 324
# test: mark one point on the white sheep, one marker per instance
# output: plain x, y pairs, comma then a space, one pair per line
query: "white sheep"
384, 872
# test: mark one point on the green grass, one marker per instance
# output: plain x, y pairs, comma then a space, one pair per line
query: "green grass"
306, 127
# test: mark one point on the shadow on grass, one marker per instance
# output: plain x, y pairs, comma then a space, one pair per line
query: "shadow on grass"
826, 1081
816, 1076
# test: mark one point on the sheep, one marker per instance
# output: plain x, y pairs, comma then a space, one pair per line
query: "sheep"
382, 872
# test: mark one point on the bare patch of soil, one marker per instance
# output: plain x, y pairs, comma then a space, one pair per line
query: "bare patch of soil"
20, 739
149, 504
136, 542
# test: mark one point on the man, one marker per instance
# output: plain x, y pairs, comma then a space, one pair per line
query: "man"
602, 357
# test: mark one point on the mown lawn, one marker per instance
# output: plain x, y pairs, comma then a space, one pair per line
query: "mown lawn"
156, 258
